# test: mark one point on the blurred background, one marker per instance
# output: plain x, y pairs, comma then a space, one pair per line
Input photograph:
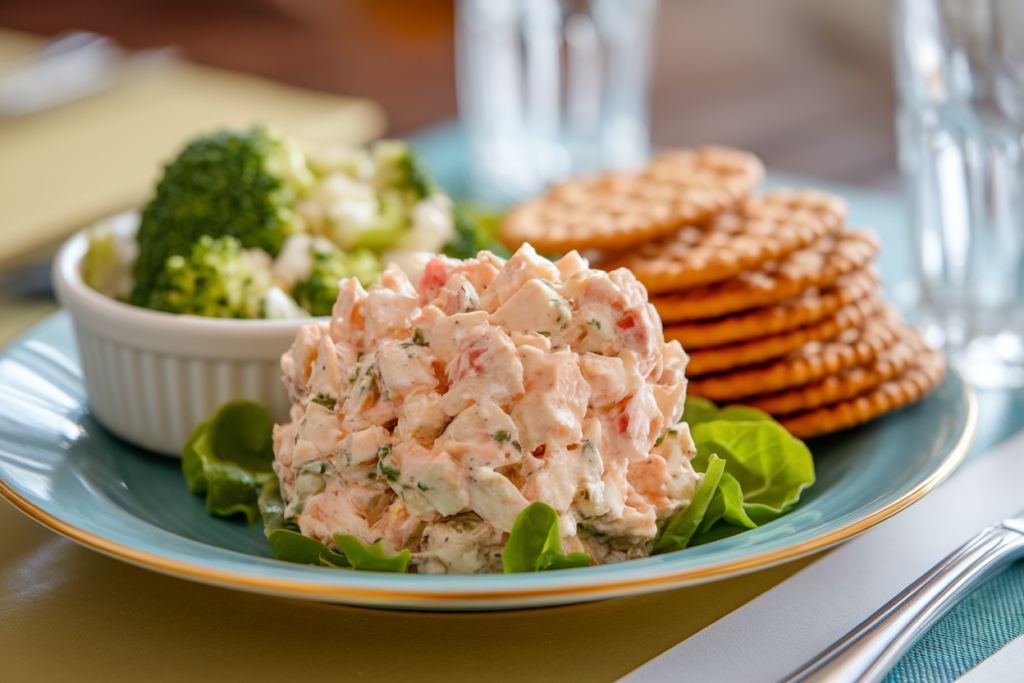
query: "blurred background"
805, 84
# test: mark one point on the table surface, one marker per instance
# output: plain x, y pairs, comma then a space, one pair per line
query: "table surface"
68, 612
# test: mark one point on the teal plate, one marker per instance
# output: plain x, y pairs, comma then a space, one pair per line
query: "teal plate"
58, 465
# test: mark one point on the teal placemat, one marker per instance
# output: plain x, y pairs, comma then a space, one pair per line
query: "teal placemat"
994, 614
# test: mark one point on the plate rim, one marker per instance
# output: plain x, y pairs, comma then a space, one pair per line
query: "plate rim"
520, 596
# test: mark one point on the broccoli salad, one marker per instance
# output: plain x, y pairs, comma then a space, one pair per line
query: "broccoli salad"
254, 224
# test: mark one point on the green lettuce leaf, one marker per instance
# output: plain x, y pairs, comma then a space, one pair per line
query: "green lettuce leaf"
727, 505
765, 469
684, 524
371, 558
291, 546
768, 468
271, 506
535, 545
229, 458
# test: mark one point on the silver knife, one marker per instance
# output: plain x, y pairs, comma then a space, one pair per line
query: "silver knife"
869, 651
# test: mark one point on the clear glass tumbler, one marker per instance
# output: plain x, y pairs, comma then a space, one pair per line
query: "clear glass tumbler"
960, 77
552, 88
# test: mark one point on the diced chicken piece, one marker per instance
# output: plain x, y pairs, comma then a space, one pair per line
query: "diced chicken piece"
630, 517
535, 307
560, 476
355, 453
317, 436
485, 368
482, 436
427, 479
422, 418
366, 404
670, 391
407, 367
482, 270
571, 264
331, 366
606, 376
390, 310
525, 265
552, 410
457, 296
495, 498
348, 316
297, 362
446, 335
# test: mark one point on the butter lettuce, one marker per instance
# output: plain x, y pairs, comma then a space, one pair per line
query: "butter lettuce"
229, 458
534, 545
770, 467
371, 558
764, 469
684, 524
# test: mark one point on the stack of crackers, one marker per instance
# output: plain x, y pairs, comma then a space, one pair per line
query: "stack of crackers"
772, 295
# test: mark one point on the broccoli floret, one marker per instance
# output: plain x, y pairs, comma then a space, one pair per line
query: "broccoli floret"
232, 183
475, 229
318, 293
400, 167
218, 279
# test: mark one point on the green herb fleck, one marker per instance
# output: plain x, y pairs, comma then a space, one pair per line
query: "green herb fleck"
389, 473
544, 334
501, 437
417, 339
326, 401
596, 323
422, 487
383, 451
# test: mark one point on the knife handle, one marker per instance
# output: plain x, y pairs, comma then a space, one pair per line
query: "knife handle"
869, 651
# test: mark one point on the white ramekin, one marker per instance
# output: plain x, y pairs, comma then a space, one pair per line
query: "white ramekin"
151, 377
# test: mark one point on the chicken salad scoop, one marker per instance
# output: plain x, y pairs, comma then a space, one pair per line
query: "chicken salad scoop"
429, 417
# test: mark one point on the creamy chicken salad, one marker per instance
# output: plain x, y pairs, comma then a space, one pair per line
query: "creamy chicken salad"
429, 417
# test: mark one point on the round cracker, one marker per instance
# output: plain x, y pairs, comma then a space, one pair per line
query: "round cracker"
811, 363
918, 380
623, 210
760, 229
849, 383
721, 358
818, 265
812, 306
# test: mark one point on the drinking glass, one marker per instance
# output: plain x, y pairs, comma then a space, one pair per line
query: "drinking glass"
960, 78
552, 88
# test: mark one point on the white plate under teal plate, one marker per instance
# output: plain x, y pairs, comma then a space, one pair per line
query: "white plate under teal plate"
60, 466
